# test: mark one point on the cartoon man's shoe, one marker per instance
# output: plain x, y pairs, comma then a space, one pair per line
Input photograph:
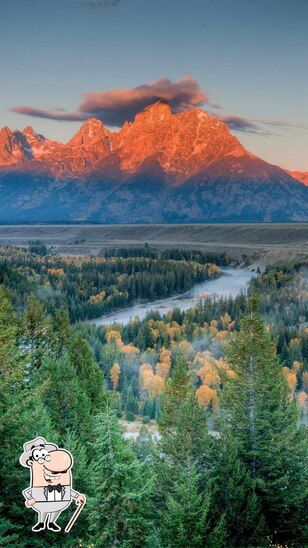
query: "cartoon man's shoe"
53, 527
38, 527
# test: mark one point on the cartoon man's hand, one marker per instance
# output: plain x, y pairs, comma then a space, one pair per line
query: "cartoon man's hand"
30, 502
81, 499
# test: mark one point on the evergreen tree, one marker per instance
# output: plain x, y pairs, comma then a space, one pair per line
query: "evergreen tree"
131, 405
149, 408
184, 519
177, 390
11, 365
263, 420
81, 483
144, 446
35, 332
182, 495
62, 331
119, 513
65, 398
9, 532
24, 418
233, 494
145, 337
187, 435
90, 376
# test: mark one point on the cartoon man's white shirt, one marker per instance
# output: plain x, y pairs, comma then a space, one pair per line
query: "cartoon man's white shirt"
42, 494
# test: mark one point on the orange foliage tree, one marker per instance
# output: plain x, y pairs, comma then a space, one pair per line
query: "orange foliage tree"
207, 396
115, 375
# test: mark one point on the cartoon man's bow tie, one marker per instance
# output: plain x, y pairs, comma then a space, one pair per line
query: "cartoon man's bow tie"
54, 488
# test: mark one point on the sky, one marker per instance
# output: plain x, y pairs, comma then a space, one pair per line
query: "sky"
244, 61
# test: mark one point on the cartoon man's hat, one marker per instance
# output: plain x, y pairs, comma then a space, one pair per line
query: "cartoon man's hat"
38, 443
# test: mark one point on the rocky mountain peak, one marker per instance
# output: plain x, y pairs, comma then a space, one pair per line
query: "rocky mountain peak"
91, 130
164, 146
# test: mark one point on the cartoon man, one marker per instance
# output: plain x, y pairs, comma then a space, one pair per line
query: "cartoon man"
50, 490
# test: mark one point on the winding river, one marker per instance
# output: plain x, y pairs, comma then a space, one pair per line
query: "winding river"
232, 282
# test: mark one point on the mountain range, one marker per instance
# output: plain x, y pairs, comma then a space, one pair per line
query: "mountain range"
163, 167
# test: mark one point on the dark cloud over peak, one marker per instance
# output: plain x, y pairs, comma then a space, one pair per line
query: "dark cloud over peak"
116, 106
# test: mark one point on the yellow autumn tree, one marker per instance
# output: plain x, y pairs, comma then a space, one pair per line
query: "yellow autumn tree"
98, 298
305, 381
296, 366
163, 366
115, 375
302, 401
226, 321
290, 377
114, 336
206, 396
154, 385
144, 370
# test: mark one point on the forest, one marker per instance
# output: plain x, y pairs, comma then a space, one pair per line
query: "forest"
91, 287
224, 382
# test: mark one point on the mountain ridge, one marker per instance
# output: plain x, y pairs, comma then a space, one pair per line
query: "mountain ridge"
162, 167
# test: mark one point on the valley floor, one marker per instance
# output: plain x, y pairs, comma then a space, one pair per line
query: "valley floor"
269, 242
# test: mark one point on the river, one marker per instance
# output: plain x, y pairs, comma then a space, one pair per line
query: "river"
232, 282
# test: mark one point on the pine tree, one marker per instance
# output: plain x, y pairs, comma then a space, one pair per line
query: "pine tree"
61, 330
35, 332
81, 483
177, 390
64, 397
182, 494
184, 520
233, 494
263, 419
25, 418
119, 513
187, 435
145, 337
11, 364
144, 446
90, 376
9, 532
131, 405
149, 408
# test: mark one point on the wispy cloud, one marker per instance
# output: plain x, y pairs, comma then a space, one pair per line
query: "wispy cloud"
259, 126
100, 4
116, 106
239, 123
52, 114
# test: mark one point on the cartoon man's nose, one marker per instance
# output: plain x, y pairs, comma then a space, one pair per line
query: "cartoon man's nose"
60, 461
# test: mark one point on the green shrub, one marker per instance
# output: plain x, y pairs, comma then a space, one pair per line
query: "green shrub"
129, 416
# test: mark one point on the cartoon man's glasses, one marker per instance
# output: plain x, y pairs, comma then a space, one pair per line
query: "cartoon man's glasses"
41, 455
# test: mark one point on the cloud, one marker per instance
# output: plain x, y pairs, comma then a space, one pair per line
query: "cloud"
239, 123
100, 4
116, 106
52, 114
259, 126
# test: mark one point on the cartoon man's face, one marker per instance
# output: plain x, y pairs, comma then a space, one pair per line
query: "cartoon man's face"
50, 467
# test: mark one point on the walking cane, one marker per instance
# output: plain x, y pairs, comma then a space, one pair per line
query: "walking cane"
74, 517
